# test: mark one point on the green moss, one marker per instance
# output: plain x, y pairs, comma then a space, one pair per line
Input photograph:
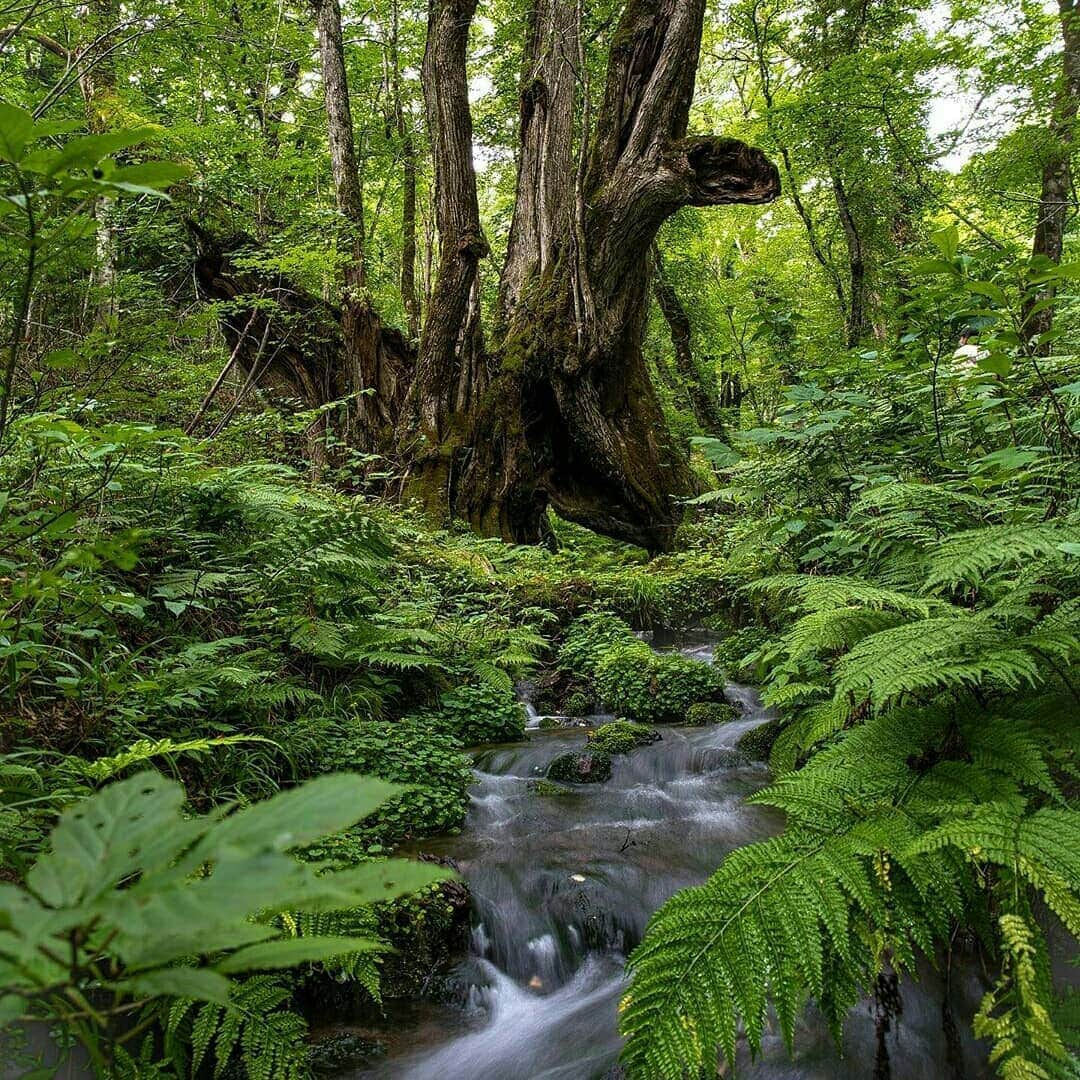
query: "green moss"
757, 743
547, 787
622, 736
711, 712
653, 688
585, 767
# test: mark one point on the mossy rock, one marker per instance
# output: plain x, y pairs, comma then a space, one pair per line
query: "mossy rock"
332, 1054
622, 736
756, 744
581, 767
547, 787
702, 713
426, 931
654, 688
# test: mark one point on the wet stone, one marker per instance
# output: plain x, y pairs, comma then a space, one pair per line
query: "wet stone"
586, 767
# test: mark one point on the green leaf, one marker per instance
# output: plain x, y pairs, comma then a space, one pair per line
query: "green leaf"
199, 984
996, 363
88, 150
319, 808
947, 241
16, 127
373, 883
109, 836
150, 177
289, 952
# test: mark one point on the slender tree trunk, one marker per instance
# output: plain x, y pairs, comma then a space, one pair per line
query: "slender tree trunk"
857, 317
703, 404
451, 372
97, 81
1057, 173
371, 372
409, 299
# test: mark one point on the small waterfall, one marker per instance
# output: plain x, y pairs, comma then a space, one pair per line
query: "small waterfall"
564, 885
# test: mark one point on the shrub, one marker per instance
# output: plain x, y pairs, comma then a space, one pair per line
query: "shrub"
711, 712
653, 688
578, 704
589, 639
736, 655
480, 714
622, 736
407, 751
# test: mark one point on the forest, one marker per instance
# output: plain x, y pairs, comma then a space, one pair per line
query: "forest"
539, 539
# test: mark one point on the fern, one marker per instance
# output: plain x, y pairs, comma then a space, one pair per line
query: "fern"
970, 556
256, 1029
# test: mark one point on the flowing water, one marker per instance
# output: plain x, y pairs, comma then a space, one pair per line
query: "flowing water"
563, 886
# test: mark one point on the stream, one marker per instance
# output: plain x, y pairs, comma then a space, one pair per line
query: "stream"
563, 886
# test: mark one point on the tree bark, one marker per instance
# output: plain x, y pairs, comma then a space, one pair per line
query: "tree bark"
451, 373
545, 174
574, 421
857, 314
407, 279
1057, 173
371, 373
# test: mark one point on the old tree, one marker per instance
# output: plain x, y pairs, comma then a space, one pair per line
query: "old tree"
551, 403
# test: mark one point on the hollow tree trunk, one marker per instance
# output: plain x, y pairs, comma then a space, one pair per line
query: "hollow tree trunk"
573, 420
1057, 173
287, 343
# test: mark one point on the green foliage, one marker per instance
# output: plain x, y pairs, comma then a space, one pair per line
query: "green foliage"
137, 901
653, 688
480, 714
736, 655
412, 751
589, 638
622, 736
710, 712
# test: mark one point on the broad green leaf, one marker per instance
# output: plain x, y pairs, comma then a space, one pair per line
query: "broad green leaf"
947, 241
289, 952
996, 363
101, 840
16, 127
87, 150
199, 984
319, 808
373, 883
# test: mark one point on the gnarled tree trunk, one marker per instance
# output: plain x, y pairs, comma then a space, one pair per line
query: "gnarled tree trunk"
572, 419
